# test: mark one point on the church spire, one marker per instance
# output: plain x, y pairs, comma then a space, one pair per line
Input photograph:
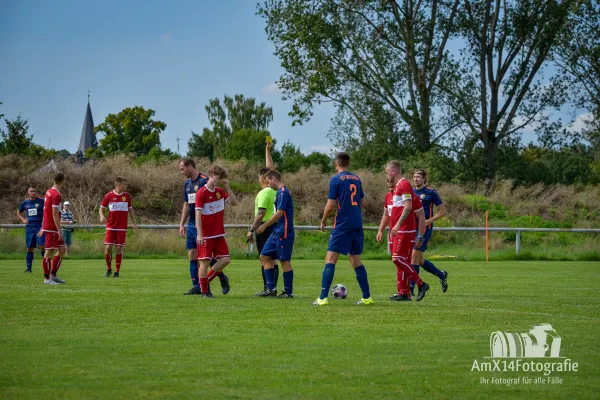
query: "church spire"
88, 137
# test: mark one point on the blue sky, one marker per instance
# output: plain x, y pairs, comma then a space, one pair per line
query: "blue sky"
171, 57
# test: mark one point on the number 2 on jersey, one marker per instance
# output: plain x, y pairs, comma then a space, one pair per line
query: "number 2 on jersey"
353, 195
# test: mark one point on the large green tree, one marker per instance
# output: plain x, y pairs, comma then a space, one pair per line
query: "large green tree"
17, 140
501, 87
131, 131
342, 51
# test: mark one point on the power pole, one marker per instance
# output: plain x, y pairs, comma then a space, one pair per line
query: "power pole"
177, 138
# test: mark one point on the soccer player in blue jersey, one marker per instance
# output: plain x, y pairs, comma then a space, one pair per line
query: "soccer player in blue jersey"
347, 237
280, 244
31, 213
195, 180
429, 197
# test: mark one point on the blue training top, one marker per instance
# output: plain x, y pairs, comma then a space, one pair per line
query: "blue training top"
34, 211
346, 189
428, 197
283, 202
190, 187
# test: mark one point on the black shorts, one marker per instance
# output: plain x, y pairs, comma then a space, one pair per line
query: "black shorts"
262, 238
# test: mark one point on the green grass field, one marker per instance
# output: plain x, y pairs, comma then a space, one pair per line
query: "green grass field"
139, 337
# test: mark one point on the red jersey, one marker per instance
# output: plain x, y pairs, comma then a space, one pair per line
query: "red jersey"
212, 204
388, 203
404, 192
118, 210
52, 200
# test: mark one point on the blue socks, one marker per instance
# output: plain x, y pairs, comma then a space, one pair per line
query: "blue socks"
327, 279
270, 278
29, 260
361, 277
412, 284
288, 281
429, 267
194, 272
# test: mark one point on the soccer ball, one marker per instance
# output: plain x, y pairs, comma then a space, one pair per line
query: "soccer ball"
339, 291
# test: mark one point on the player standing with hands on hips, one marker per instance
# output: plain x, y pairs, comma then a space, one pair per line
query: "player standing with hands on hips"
31, 213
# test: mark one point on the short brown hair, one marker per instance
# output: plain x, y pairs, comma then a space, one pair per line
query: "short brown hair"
393, 164
119, 180
421, 172
218, 171
273, 174
264, 170
59, 178
187, 161
342, 159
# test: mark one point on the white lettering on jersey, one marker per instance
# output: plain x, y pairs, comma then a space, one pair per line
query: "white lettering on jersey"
32, 212
118, 206
191, 198
213, 207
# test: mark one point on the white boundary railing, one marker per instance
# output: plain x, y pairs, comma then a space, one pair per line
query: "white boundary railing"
368, 228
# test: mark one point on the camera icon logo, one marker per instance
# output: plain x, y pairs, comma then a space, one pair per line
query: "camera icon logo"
541, 341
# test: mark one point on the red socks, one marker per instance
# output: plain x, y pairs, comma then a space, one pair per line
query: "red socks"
46, 266
55, 264
204, 285
108, 258
410, 272
118, 262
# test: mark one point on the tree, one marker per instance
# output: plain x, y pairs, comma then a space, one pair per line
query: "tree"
133, 130
199, 147
342, 51
17, 140
292, 158
249, 144
508, 42
234, 114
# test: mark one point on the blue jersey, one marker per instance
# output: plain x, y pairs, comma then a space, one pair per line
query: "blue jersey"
428, 197
283, 202
346, 189
190, 187
34, 212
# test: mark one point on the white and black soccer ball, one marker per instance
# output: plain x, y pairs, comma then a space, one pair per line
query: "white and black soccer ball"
339, 291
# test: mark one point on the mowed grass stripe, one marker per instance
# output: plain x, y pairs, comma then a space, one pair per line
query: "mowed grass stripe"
138, 336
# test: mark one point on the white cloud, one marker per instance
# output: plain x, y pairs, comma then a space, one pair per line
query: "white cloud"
580, 122
271, 88
165, 37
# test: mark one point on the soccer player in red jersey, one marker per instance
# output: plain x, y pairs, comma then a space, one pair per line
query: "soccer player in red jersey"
210, 225
403, 281
403, 226
51, 227
119, 207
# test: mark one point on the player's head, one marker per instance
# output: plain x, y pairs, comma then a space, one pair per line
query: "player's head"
187, 167
419, 177
32, 193
67, 205
342, 160
393, 172
273, 179
217, 172
261, 176
59, 179
120, 183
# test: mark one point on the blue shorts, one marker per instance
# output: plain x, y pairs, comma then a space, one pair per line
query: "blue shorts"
33, 240
190, 239
68, 235
426, 238
346, 241
278, 248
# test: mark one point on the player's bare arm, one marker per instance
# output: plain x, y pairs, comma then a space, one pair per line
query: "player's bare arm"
232, 200
403, 217
329, 207
268, 158
199, 237
132, 216
270, 221
255, 224
440, 213
22, 217
184, 216
385, 220
101, 214
421, 228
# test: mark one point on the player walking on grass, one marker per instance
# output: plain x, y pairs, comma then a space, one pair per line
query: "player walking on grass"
194, 182
264, 208
429, 197
31, 213
280, 244
347, 236
54, 241
118, 202
210, 227
402, 279
403, 227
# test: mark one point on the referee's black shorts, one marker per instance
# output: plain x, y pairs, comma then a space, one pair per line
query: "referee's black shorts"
262, 238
